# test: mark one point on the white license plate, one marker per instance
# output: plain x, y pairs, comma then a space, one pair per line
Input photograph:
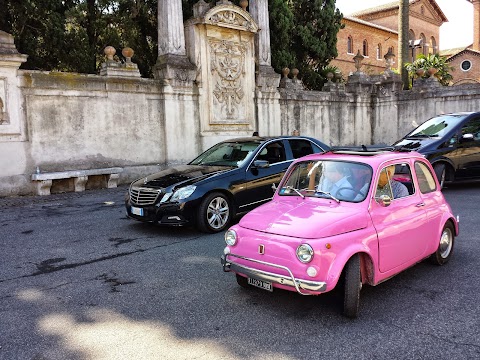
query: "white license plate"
136, 211
265, 285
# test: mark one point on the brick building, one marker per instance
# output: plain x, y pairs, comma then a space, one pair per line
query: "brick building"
373, 31
466, 61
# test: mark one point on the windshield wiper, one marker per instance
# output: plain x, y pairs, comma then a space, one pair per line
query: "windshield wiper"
328, 194
288, 187
421, 136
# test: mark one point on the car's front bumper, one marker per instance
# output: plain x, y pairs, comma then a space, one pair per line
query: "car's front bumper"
175, 214
298, 284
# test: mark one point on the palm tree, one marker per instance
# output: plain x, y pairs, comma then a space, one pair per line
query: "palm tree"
403, 28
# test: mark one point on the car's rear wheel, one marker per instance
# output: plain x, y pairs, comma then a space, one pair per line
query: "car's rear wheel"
352, 287
441, 172
214, 213
242, 281
445, 246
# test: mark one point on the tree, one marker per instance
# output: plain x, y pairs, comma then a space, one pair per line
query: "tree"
70, 35
310, 37
281, 31
403, 18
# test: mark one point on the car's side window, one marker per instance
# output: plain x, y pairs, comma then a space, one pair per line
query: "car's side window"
300, 148
472, 127
395, 181
273, 153
426, 180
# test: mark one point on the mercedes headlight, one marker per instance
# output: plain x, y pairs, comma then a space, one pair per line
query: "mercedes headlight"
183, 193
231, 237
305, 253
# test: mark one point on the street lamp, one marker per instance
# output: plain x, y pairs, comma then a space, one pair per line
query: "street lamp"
414, 44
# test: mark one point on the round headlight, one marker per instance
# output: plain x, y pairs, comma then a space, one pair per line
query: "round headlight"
305, 253
231, 237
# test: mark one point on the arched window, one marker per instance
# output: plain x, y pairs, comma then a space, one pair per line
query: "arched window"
433, 45
411, 35
379, 52
350, 45
365, 48
424, 44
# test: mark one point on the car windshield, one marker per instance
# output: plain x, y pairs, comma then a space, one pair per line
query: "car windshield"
227, 154
436, 127
336, 180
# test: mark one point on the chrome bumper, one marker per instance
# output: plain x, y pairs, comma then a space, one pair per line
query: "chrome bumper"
273, 278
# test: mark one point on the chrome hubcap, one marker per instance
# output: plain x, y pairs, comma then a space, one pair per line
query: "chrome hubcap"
446, 243
217, 213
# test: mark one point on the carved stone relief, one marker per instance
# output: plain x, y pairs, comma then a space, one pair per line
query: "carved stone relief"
227, 66
231, 19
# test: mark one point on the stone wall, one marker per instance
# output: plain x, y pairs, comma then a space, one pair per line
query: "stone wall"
73, 121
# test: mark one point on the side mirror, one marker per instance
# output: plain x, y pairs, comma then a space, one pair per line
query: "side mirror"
384, 200
261, 164
467, 138
274, 187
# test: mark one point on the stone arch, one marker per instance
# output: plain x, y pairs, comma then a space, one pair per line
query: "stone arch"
424, 44
433, 45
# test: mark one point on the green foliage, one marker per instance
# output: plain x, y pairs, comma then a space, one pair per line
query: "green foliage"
70, 35
304, 35
426, 62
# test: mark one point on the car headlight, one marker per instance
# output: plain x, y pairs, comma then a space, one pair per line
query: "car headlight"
305, 253
183, 193
231, 237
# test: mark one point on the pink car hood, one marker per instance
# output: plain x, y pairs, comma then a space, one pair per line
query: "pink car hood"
305, 219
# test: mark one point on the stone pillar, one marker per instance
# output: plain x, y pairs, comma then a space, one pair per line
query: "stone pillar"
172, 65
267, 80
11, 122
259, 11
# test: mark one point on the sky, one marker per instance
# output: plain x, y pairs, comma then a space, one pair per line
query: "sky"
457, 32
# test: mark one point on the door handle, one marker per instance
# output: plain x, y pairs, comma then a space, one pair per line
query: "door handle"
420, 204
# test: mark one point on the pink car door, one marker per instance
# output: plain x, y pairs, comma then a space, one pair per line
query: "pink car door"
402, 229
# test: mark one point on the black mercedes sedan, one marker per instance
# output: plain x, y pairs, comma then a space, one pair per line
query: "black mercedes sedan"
451, 142
230, 178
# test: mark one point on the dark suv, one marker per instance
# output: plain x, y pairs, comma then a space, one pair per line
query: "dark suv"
451, 142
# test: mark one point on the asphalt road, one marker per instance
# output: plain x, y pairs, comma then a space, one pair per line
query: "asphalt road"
78, 280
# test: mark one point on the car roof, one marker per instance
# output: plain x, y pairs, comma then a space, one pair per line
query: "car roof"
372, 156
263, 139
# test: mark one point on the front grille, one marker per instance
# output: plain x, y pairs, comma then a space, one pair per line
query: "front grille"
144, 196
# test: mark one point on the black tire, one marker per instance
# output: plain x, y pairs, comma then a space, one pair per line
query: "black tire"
445, 245
214, 213
242, 281
441, 172
352, 287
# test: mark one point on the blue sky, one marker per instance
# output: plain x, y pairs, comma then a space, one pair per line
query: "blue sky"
457, 32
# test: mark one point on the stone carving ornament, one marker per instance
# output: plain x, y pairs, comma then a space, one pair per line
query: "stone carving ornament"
231, 19
228, 68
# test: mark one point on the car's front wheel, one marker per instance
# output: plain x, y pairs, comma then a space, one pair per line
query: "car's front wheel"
352, 287
445, 246
214, 213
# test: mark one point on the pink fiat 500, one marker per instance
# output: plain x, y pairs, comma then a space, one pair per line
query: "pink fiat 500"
343, 218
